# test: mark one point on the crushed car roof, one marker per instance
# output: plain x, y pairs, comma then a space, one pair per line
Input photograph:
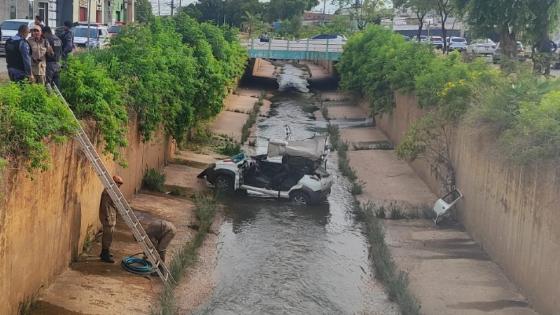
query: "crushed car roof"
313, 148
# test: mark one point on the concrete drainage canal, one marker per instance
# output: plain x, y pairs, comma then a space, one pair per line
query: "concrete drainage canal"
278, 258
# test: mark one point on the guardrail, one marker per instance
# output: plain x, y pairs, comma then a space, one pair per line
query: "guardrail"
307, 49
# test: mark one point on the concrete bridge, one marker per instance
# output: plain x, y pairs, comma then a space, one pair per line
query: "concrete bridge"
307, 49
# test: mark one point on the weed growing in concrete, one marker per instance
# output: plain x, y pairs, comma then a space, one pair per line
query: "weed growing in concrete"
27, 306
395, 281
252, 119
206, 207
334, 136
230, 149
344, 163
397, 214
153, 180
357, 188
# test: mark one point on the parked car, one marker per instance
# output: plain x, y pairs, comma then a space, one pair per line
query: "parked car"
456, 44
98, 36
497, 56
437, 42
482, 47
292, 170
114, 30
330, 37
9, 29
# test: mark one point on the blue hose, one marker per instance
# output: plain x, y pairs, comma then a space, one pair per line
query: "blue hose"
136, 265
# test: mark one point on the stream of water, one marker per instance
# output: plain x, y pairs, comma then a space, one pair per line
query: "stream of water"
278, 258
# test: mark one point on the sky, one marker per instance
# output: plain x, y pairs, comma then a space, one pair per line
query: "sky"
165, 7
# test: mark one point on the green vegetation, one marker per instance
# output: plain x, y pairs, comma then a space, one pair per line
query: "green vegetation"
245, 130
206, 207
153, 180
230, 148
521, 108
30, 118
395, 281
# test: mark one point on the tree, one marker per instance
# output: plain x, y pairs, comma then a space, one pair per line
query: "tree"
143, 11
365, 12
444, 9
287, 9
508, 18
545, 14
420, 8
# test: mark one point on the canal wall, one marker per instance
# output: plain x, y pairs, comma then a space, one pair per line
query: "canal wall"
510, 210
45, 218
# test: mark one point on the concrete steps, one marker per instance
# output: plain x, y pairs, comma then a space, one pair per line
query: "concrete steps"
182, 179
195, 160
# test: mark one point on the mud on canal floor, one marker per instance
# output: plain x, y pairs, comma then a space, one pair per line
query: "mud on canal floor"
278, 258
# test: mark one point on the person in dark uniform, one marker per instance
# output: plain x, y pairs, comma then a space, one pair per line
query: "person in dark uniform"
108, 218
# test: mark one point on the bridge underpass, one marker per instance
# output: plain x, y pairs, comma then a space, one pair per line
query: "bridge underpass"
313, 50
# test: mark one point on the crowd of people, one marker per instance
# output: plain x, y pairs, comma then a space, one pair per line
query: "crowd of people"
35, 53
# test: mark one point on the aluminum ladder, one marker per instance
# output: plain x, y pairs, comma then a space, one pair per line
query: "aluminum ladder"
118, 199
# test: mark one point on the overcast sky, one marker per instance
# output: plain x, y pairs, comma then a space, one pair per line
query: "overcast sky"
165, 6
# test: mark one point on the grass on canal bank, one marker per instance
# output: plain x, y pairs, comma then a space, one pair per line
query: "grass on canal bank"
395, 281
187, 256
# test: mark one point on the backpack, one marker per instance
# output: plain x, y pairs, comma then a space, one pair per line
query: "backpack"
14, 59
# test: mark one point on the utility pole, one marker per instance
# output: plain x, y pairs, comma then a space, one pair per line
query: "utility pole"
158, 8
172, 4
324, 11
88, 22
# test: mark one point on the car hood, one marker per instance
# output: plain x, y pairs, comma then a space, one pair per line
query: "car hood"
7, 34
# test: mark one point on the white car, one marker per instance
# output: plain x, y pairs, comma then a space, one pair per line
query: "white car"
10, 28
482, 47
98, 36
456, 43
292, 170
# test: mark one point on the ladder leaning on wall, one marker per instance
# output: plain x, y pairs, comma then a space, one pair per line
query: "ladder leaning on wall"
118, 198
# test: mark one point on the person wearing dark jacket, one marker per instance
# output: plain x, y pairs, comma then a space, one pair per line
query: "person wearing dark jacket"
108, 218
53, 61
67, 39
18, 56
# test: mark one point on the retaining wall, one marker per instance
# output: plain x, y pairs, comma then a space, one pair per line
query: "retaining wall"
45, 220
512, 211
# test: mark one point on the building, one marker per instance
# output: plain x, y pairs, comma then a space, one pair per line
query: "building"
315, 18
55, 12
406, 23
14, 9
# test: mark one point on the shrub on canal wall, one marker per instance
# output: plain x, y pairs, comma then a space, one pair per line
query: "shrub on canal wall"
29, 119
522, 108
170, 72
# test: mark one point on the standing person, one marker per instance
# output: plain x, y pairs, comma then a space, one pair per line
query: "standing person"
18, 56
161, 232
53, 61
39, 49
108, 218
67, 40
39, 22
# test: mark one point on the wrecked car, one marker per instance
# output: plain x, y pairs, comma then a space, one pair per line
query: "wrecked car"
294, 170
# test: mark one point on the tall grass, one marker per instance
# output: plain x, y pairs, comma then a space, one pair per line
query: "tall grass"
205, 209
395, 281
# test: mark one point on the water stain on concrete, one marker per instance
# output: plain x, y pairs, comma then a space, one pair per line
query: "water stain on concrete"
489, 306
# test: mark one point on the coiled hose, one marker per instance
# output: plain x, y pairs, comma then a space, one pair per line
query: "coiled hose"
137, 265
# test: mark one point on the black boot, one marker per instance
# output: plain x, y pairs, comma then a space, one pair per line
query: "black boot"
106, 256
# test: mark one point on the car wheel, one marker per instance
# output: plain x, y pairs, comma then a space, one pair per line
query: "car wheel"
299, 197
224, 184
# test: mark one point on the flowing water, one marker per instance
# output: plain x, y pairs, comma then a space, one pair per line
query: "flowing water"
278, 258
